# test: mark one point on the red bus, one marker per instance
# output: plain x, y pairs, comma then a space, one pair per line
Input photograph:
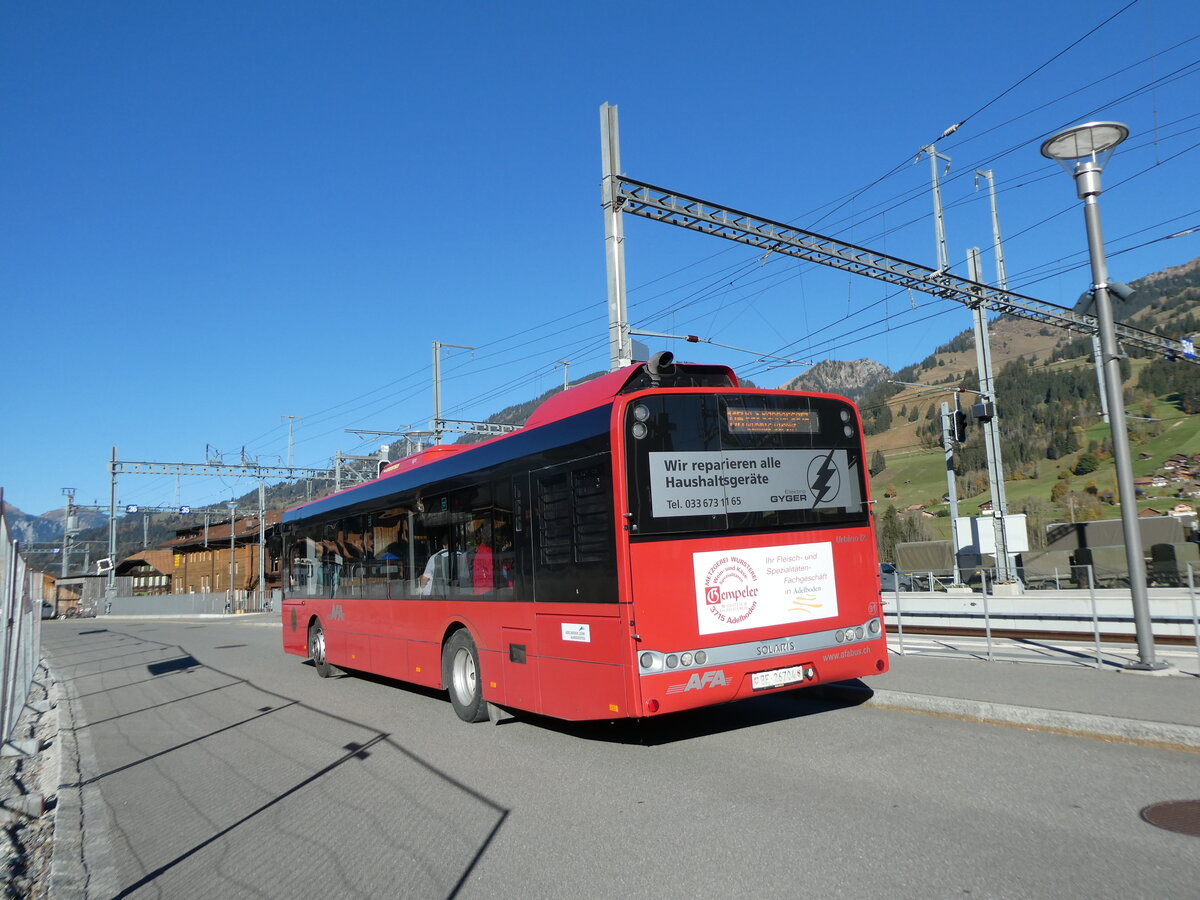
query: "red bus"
654, 540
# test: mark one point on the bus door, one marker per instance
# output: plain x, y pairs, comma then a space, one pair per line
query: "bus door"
578, 629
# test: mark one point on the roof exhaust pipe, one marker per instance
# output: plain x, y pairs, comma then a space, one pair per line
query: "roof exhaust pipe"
660, 364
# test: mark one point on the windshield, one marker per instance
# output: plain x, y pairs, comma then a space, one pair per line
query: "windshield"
734, 462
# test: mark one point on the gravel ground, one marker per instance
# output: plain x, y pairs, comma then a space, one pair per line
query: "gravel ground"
27, 841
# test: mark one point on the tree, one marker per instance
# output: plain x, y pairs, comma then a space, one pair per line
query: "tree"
1086, 464
893, 528
878, 463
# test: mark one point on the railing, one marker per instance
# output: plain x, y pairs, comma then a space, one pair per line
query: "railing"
217, 603
1074, 602
21, 598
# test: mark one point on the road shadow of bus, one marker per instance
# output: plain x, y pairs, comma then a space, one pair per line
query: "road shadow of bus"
692, 724
672, 727
431, 832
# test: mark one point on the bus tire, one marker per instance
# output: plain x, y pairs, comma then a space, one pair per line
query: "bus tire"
316, 649
460, 675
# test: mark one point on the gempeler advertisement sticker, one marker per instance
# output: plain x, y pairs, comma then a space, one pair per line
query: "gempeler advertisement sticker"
751, 588
730, 481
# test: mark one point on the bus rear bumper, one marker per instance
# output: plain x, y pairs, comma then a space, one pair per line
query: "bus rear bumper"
670, 682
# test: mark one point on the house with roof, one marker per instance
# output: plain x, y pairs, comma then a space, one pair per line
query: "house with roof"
144, 573
201, 555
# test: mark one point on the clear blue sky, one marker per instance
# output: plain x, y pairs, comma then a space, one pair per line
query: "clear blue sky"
217, 214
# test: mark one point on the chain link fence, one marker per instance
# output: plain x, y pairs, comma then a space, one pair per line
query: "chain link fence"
21, 596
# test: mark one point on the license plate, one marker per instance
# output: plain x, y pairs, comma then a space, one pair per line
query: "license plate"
776, 677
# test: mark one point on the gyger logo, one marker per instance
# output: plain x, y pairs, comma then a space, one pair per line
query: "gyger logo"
824, 478
730, 590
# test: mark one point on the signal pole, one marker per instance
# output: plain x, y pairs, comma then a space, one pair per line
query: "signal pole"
991, 433
951, 436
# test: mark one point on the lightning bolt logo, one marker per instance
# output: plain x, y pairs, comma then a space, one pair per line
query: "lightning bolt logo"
825, 481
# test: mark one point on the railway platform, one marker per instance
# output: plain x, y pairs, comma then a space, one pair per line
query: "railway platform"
1030, 683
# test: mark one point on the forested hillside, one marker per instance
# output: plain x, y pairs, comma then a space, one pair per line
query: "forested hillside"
1056, 449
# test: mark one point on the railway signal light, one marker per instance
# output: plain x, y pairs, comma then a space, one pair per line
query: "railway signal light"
959, 422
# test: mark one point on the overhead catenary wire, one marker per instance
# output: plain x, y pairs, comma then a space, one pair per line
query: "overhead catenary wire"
714, 291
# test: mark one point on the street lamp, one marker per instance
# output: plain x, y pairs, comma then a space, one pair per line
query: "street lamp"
1082, 151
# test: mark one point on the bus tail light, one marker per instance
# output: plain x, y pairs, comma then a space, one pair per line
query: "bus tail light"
652, 705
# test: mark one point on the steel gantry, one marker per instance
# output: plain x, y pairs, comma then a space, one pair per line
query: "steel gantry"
116, 467
622, 194
641, 199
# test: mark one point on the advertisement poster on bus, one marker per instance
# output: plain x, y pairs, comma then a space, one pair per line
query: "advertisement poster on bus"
731, 481
761, 586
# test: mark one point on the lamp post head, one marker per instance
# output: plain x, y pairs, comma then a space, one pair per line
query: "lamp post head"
1093, 141
1083, 151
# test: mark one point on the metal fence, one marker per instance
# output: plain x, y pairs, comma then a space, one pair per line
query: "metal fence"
21, 596
1071, 601
189, 604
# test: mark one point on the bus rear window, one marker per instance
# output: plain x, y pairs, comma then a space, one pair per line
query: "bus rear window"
742, 462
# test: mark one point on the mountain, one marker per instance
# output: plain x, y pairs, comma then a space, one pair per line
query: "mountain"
31, 529
850, 379
518, 413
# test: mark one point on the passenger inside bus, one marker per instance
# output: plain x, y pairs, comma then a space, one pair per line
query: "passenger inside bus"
442, 571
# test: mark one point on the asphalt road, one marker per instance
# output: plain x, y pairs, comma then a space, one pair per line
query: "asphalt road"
211, 764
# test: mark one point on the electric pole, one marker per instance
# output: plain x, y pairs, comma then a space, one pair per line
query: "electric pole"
68, 529
437, 387
620, 348
939, 223
997, 244
291, 436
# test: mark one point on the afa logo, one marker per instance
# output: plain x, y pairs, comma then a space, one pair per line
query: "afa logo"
699, 680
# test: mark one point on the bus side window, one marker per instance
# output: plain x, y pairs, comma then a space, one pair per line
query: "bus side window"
504, 559
574, 545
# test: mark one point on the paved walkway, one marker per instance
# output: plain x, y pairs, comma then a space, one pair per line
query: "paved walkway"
1035, 684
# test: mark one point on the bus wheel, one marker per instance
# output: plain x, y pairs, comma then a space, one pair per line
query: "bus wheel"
316, 648
460, 674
